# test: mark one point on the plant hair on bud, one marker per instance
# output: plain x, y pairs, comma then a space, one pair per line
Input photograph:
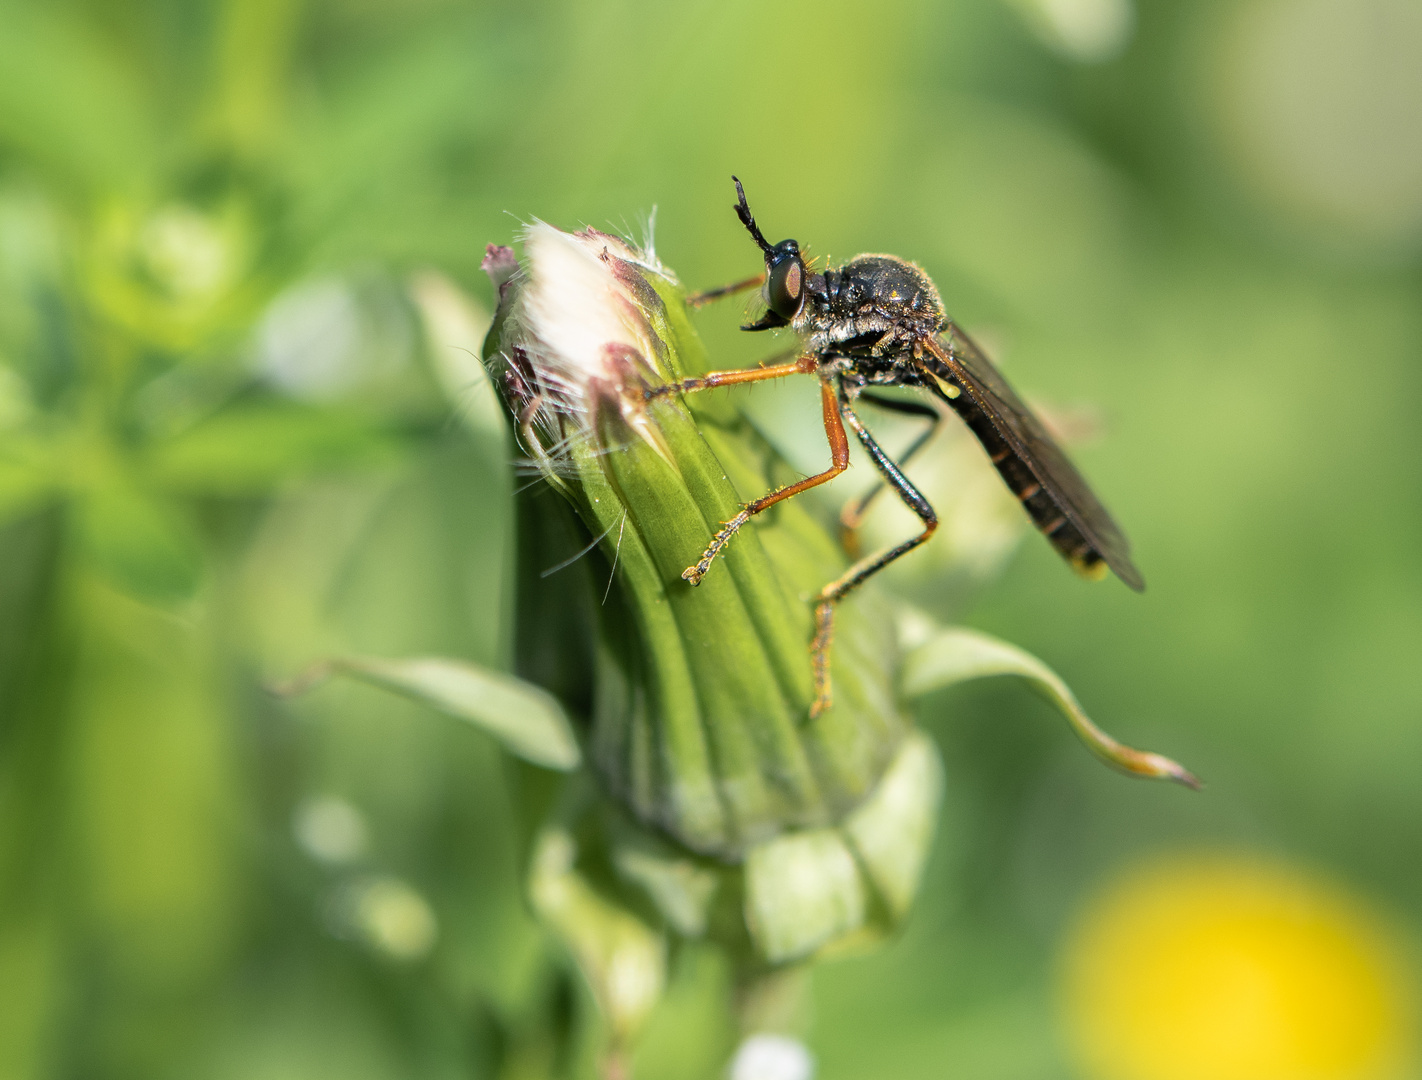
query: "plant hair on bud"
577, 341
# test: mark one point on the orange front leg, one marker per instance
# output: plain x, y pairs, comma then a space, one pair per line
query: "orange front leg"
839, 461
803, 365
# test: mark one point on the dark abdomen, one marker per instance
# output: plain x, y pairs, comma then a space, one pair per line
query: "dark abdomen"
1049, 518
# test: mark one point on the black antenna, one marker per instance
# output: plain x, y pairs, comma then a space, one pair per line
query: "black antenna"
743, 212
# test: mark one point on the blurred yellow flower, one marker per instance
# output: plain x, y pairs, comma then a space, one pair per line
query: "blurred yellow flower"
1228, 969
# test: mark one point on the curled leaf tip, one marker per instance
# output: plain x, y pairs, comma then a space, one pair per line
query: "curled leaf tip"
303, 681
1182, 775
1141, 763
943, 656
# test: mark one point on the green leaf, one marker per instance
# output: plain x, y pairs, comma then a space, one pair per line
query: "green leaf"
803, 890
250, 450
142, 544
680, 887
71, 101
945, 656
30, 982
22, 488
154, 793
528, 721
893, 830
623, 959
455, 326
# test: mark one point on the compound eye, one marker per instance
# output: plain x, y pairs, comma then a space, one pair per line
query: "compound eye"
785, 286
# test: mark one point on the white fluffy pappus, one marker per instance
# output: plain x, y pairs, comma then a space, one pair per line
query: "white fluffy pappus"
583, 335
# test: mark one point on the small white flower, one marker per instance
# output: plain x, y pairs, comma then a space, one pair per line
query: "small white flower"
772, 1057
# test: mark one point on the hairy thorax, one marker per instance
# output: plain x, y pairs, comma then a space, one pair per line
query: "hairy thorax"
869, 312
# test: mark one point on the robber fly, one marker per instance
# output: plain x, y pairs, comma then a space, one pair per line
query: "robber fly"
878, 321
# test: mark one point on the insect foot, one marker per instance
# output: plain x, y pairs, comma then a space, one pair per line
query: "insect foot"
694, 574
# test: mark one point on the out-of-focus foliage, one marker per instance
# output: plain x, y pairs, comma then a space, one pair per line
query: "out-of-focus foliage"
225, 451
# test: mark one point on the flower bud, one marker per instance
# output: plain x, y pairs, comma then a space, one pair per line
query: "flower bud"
701, 718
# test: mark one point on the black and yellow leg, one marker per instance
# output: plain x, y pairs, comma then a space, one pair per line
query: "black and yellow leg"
839, 461
861, 571
852, 514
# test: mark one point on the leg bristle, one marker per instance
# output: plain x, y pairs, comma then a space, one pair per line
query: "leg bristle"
820, 650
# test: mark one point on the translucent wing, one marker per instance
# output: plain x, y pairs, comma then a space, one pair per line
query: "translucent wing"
1056, 496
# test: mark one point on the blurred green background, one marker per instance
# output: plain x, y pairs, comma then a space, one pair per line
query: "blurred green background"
226, 448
